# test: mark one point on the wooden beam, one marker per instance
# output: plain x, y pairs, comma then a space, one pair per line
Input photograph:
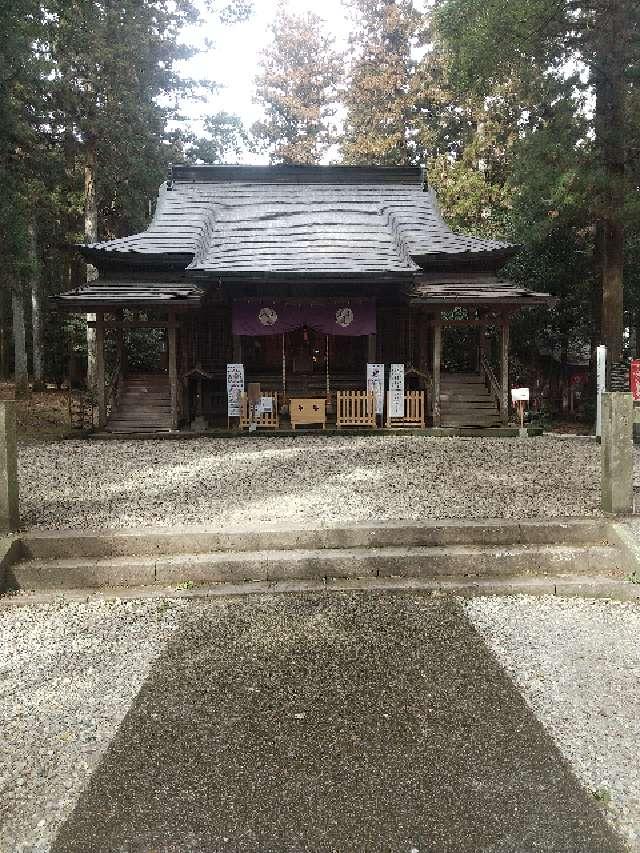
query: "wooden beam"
237, 349
482, 339
100, 389
173, 370
371, 348
134, 324
437, 355
504, 370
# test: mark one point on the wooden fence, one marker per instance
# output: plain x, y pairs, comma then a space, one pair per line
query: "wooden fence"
355, 409
413, 412
267, 420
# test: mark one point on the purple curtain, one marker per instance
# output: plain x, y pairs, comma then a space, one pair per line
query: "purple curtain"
276, 318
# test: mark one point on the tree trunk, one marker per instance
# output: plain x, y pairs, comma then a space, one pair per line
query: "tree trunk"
608, 75
19, 342
36, 310
90, 236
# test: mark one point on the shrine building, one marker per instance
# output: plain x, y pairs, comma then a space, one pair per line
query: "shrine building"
303, 275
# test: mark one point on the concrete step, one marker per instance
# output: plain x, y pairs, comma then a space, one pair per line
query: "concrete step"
415, 561
189, 540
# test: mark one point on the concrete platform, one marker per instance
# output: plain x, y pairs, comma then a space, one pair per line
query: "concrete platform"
451, 551
441, 432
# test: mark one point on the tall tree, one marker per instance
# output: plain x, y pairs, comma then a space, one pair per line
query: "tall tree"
297, 88
379, 100
23, 68
520, 41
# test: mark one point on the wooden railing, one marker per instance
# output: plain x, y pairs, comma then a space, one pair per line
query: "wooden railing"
355, 409
267, 420
490, 381
414, 410
113, 389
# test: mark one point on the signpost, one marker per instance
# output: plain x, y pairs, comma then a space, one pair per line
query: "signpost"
634, 379
375, 385
601, 384
235, 386
396, 391
520, 396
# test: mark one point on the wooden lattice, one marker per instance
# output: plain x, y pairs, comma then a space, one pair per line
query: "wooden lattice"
267, 420
355, 409
413, 412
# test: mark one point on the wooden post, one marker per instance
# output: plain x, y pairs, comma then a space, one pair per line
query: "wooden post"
482, 339
100, 389
437, 353
237, 348
371, 348
504, 371
173, 369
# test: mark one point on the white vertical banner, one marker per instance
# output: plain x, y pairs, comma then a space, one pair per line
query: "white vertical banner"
601, 384
396, 391
375, 384
235, 386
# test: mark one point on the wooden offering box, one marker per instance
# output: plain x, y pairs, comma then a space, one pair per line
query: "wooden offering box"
307, 411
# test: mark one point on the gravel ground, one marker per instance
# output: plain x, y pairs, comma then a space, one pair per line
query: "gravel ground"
577, 662
68, 673
119, 484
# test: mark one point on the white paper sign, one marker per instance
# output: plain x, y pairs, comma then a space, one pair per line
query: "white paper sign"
266, 405
235, 386
601, 384
396, 391
520, 395
375, 384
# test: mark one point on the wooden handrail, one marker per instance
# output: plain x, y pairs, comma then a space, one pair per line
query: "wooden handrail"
112, 388
490, 380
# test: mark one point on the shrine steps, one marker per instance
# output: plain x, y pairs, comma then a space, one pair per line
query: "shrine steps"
455, 551
144, 405
466, 402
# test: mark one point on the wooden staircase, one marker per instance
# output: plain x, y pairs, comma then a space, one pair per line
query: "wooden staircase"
144, 405
466, 402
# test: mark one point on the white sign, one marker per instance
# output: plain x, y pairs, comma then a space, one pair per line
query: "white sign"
264, 406
235, 386
520, 395
375, 384
396, 391
601, 383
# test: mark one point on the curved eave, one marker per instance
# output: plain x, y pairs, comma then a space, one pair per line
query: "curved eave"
486, 258
119, 257
307, 276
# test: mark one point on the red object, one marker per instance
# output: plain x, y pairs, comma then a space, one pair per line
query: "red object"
634, 378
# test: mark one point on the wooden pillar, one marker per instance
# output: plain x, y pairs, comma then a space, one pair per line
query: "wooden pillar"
237, 349
504, 371
173, 369
100, 389
482, 339
437, 353
371, 348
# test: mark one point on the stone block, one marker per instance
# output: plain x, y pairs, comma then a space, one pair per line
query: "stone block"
9, 507
617, 453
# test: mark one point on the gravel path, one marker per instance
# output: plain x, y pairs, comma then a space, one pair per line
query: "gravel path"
68, 673
577, 663
119, 484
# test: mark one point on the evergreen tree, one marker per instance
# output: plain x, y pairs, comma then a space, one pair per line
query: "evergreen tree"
297, 88
525, 40
380, 100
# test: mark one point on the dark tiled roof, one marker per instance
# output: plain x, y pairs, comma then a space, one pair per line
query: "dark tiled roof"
256, 221
128, 294
472, 288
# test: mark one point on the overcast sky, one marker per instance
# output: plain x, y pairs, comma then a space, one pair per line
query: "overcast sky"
234, 57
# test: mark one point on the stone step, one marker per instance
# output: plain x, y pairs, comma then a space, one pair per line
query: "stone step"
189, 540
411, 561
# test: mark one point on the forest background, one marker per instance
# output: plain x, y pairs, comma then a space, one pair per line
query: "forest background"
526, 114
